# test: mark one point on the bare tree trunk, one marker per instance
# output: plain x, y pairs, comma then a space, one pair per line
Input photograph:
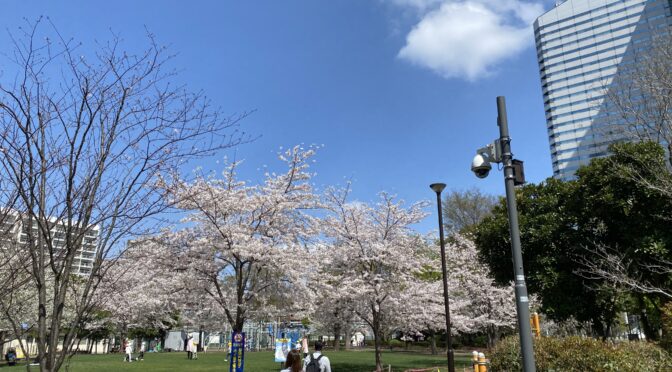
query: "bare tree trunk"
432, 342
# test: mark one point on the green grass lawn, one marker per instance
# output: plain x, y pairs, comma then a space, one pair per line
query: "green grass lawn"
343, 361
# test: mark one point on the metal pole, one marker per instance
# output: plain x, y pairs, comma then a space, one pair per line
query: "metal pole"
522, 301
438, 187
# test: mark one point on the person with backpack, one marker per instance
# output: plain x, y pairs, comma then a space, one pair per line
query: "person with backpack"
316, 362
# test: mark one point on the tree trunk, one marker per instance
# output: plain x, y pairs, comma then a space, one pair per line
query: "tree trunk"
376, 338
379, 365
598, 329
607, 332
649, 331
493, 337
432, 342
348, 337
337, 337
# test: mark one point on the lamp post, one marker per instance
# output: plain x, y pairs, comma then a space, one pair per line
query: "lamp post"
438, 188
500, 152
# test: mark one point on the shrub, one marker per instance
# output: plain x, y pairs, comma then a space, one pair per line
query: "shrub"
392, 343
582, 354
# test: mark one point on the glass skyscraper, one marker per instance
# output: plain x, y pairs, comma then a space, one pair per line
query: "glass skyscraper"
581, 46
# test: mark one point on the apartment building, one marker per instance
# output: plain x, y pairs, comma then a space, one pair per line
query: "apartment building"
14, 231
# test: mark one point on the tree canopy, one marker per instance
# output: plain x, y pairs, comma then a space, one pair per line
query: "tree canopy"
563, 224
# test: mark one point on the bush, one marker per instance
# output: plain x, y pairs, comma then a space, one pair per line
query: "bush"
392, 343
582, 354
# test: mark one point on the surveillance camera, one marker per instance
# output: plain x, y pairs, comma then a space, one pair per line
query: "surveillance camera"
480, 166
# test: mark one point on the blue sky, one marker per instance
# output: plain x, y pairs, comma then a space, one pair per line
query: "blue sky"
399, 92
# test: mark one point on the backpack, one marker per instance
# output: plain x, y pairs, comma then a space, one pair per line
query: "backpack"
314, 364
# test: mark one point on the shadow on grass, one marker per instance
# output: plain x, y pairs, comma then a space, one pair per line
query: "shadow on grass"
396, 367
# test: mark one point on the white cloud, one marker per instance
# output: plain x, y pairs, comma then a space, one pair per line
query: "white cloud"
469, 39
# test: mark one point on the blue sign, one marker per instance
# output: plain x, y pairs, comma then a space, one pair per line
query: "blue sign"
237, 352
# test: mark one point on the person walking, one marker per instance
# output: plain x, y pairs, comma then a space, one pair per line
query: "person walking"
293, 362
190, 346
129, 351
316, 362
141, 356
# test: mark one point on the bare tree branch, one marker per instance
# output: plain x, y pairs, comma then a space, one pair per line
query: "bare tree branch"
88, 141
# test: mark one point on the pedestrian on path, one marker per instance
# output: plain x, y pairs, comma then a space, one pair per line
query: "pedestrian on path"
316, 362
293, 362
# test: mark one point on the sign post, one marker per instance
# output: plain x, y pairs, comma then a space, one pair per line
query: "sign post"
237, 352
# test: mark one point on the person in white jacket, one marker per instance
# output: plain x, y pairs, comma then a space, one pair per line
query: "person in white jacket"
322, 361
129, 352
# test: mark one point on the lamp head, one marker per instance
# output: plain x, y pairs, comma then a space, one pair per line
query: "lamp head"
437, 187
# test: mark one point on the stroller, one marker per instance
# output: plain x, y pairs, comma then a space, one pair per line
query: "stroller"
10, 356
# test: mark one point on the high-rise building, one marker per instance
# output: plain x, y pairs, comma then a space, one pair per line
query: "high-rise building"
581, 47
14, 231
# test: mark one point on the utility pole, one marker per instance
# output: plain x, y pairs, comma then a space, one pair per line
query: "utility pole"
522, 300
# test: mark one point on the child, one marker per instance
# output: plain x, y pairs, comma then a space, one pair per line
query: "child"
194, 350
228, 353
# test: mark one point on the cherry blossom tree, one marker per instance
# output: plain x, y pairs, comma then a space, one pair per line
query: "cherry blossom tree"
477, 303
375, 254
138, 291
422, 309
330, 312
480, 304
245, 246
17, 316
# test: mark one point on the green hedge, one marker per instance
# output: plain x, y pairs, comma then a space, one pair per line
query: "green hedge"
582, 354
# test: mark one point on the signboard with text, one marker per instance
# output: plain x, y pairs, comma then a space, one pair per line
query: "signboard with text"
282, 346
237, 352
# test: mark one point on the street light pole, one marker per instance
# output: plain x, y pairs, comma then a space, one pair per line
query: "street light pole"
438, 188
522, 301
